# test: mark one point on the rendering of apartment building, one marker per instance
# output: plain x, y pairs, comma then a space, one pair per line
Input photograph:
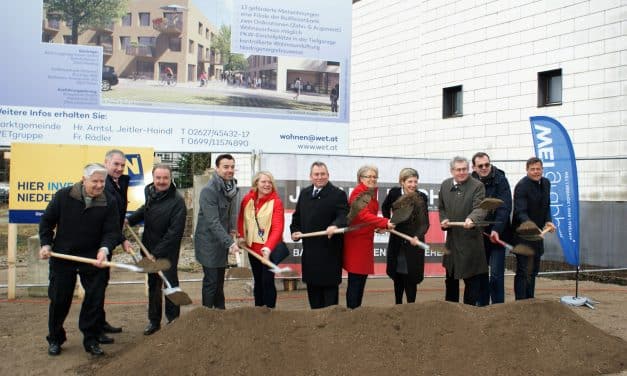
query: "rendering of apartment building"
152, 36
281, 73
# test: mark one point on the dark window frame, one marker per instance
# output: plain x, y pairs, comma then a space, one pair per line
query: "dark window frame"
450, 106
546, 94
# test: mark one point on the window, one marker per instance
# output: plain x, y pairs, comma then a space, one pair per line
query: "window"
200, 28
190, 47
550, 88
67, 39
175, 44
127, 20
124, 42
452, 103
144, 19
147, 41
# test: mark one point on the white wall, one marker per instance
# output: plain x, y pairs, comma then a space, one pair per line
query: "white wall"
405, 52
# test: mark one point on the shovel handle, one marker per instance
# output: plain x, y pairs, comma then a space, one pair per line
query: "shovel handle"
322, 232
141, 245
260, 258
507, 246
147, 254
84, 260
422, 245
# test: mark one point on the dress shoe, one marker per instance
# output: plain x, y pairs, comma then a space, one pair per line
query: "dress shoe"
104, 339
94, 349
54, 349
107, 328
151, 329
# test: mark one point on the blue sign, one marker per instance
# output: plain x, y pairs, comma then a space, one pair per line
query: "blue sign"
553, 147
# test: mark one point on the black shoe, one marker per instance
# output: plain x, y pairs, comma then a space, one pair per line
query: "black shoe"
104, 339
54, 349
107, 328
151, 329
94, 349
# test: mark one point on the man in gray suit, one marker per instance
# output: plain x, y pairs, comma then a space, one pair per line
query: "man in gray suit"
217, 222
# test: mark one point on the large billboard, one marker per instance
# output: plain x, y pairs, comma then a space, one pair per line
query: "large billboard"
178, 75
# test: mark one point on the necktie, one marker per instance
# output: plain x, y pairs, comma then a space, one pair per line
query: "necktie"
315, 192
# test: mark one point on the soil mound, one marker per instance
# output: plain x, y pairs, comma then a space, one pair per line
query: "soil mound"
533, 337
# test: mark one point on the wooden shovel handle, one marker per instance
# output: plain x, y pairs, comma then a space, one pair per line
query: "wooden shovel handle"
84, 260
141, 245
259, 257
408, 238
313, 234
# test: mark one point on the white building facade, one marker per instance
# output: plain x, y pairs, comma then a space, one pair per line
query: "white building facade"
498, 59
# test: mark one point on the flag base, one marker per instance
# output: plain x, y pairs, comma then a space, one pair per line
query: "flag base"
577, 301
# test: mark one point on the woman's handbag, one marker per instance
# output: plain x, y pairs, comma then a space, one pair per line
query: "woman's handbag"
279, 253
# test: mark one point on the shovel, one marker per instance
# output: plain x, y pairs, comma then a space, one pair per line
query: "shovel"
490, 203
422, 245
273, 267
519, 249
238, 272
156, 266
174, 294
477, 224
342, 230
529, 231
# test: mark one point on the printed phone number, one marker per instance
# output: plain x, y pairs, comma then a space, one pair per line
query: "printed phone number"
215, 133
210, 141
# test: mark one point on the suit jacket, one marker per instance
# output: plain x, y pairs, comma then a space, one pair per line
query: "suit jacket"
417, 225
467, 257
532, 202
322, 257
217, 217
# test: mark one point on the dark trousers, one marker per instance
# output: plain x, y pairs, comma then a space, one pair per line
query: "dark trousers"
527, 268
155, 296
264, 289
472, 289
493, 285
355, 289
60, 292
402, 284
213, 287
102, 317
322, 296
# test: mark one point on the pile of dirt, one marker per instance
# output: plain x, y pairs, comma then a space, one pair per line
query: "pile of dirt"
532, 337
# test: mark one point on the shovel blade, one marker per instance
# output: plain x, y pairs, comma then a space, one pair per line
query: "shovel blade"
490, 203
177, 296
278, 270
157, 266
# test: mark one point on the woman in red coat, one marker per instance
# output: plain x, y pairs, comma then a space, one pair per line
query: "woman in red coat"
260, 227
359, 244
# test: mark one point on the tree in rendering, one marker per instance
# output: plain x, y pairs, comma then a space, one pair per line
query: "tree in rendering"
222, 42
84, 14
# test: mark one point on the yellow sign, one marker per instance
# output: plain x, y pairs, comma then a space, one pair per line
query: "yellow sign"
39, 170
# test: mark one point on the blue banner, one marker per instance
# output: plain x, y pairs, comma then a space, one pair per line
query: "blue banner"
554, 148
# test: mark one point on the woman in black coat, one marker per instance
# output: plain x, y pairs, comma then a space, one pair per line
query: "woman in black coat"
406, 261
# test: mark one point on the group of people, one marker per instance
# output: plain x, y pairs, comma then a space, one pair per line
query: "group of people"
86, 219
89, 217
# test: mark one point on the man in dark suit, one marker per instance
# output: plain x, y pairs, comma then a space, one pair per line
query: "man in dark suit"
116, 185
321, 206
532, 196
80, 220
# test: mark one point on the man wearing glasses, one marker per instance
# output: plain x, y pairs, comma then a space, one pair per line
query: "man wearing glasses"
459, 200
496, 186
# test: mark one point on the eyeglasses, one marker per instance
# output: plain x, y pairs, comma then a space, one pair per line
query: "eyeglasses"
485, 165
369, 177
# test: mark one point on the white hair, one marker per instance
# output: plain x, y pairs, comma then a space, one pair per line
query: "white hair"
94, 168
